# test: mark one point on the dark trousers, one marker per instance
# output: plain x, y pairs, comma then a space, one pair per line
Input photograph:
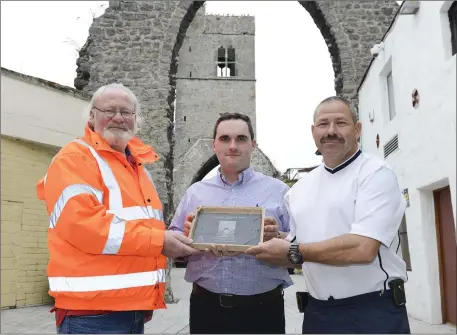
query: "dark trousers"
108, 323
370, 313
210, 313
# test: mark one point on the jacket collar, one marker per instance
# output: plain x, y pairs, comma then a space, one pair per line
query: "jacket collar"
140, 151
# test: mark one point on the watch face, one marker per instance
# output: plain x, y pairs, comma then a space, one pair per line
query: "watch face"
295, 258
294, 255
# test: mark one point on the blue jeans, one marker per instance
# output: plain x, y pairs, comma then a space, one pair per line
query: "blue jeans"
131, 322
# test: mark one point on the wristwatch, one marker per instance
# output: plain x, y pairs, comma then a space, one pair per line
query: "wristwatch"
294, 256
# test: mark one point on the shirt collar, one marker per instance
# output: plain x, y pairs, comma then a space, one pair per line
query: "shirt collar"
243, 177
344, 164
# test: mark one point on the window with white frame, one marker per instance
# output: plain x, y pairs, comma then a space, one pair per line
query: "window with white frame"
226, 62
391, 96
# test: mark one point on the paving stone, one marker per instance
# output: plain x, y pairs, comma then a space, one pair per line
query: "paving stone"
175, 319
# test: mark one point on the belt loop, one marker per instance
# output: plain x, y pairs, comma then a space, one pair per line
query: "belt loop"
221, 296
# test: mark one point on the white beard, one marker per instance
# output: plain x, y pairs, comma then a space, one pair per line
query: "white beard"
117, 137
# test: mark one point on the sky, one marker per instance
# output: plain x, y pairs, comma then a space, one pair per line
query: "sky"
293, 66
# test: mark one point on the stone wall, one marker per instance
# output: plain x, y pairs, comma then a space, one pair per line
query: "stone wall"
350, 29
201, 96
198, 54
200, 103
138, 43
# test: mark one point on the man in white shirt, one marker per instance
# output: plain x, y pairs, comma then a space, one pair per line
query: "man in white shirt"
344, 223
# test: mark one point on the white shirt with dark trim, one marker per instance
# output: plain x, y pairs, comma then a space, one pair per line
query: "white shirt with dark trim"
361, 196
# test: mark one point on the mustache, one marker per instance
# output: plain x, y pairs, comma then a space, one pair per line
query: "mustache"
119, 126
332, 139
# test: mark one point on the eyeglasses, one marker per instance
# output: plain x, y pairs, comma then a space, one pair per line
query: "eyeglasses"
110, 113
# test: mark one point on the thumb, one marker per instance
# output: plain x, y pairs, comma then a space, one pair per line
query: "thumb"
190, 217
270, 228
269, 220
254, 250
183, 239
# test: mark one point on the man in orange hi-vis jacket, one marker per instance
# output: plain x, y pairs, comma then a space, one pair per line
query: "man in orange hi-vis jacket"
107, 238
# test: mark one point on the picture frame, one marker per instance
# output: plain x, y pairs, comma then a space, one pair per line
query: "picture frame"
239, 228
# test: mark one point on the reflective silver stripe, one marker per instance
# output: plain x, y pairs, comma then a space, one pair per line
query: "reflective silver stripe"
117, 226
137, 213
115, 236
104, 283
121, 215
115, 198
158, 213
68, 193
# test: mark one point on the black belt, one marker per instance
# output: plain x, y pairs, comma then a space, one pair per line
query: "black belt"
353, 300
232, 300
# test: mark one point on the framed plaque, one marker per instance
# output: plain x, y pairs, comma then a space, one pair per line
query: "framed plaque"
236, 227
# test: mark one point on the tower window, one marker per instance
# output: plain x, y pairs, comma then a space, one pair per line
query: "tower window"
226, 62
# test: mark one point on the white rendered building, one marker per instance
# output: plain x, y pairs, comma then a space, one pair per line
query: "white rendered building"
407, 106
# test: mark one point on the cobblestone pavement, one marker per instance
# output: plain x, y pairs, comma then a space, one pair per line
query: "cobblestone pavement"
175, 319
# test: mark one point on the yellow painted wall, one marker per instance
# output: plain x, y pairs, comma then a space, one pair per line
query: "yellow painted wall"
24, 223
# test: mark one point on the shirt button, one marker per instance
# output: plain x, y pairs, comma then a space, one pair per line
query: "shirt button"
149, 200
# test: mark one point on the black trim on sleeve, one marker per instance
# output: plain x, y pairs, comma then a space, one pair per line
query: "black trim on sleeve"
387, 275
398, 247
293, 239
399, 242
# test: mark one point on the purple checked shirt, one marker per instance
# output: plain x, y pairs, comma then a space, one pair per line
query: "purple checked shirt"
243, 274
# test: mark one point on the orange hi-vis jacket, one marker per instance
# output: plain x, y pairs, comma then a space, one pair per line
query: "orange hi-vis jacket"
106, 229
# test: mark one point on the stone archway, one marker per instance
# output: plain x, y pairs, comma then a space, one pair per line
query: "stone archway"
259, 162
205, 169
138, 43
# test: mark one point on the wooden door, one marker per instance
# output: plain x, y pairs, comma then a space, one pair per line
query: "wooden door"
447, 249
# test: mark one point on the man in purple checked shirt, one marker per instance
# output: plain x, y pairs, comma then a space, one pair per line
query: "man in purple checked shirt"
233, 293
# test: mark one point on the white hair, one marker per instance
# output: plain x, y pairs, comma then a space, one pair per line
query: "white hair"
341, 99
98, 93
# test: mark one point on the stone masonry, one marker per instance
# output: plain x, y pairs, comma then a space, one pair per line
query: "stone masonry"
202, 95
138, 43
